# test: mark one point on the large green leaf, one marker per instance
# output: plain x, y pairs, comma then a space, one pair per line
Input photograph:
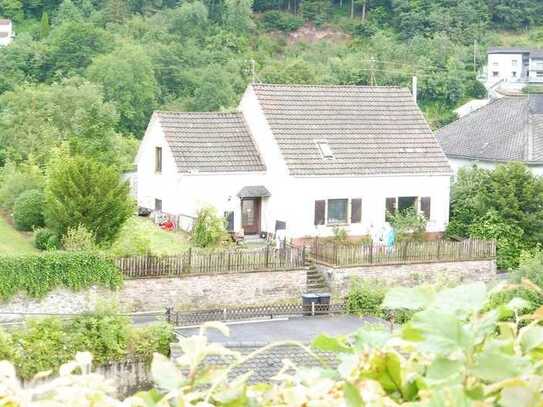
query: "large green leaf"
374, 337
493, 365
443, 371
520, 394
352, 395
453, 396
386, 369
463, 298
438, 332
165, 374
415, 298
531, 337
331, 344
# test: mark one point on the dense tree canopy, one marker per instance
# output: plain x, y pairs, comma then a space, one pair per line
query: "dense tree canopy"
140, 55
504, 204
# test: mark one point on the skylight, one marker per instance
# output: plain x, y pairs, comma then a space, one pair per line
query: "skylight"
325, 150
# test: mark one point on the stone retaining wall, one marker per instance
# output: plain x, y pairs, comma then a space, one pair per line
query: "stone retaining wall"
202, 291
340, 279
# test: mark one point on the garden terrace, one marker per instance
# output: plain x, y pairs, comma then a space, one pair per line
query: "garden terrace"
406, 252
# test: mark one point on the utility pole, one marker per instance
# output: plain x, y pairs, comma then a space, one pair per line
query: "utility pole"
253, 71
414, 88
475, 56
372, 72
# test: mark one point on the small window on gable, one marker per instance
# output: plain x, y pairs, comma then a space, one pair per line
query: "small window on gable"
158, 205
356, 210
229, 220
325, 150
425, 206
158, 159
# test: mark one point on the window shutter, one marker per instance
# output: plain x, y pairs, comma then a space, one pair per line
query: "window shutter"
356, 210
229, 220
391, 205
158, 159
320, 208
425, 205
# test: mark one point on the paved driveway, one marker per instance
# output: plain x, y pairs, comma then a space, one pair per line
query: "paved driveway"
302, 329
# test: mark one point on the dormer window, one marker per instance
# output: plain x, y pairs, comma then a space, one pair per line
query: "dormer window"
325, 150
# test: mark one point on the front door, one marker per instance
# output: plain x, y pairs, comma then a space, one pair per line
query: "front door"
250, 215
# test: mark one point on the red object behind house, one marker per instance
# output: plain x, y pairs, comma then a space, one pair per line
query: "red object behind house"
168, 225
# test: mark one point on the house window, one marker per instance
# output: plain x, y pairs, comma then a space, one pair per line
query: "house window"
539, 74
514, 62
422, 205
158, 159
158, 205
495, 74
495, 64
325, 150
337, 211
514, 74
407, 202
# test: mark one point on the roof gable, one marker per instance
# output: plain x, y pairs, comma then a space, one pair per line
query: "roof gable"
210, 142
370, 130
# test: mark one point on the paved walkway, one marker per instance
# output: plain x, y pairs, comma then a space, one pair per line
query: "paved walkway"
302, 329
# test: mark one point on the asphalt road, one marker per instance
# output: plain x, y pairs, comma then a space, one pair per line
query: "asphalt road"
302, 329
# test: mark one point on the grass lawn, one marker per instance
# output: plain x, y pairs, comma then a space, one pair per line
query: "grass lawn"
14, 242
142, 232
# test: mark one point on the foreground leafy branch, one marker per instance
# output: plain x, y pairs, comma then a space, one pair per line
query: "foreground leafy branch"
453, 352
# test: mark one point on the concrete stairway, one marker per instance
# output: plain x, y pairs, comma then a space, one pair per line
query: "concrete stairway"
315, 281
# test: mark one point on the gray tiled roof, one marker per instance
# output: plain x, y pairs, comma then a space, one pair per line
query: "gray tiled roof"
210, 142
370, 130
267, 364
507, 129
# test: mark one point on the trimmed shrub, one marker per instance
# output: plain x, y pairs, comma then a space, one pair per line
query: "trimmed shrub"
365, 298
16, 179
46, 239
28, 211
78, 239
37, 275
209, 229
46, 344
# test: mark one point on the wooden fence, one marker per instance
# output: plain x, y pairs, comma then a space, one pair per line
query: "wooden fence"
403, 252
188, 318
224, 261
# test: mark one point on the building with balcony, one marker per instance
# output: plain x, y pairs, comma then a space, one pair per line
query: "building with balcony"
515, 66
6, 32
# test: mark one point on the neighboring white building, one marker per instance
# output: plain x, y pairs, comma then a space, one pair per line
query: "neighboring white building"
507, 129
306, 157
514, 66
6, 32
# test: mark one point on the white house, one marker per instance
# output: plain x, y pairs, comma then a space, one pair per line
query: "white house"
6, 32
507, 129
302, 158
514, 66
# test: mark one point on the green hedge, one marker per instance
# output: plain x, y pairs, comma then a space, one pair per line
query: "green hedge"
37, 275
46, 344
365, 298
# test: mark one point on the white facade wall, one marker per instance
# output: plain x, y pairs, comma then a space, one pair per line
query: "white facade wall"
457, 163
505, 65
536, 70
6, 32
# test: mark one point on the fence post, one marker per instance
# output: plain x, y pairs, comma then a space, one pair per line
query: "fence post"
189, 262
312, 308
267, 255
438, 249
335, 255
470, 249
303, 255
371, 252
316, 248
